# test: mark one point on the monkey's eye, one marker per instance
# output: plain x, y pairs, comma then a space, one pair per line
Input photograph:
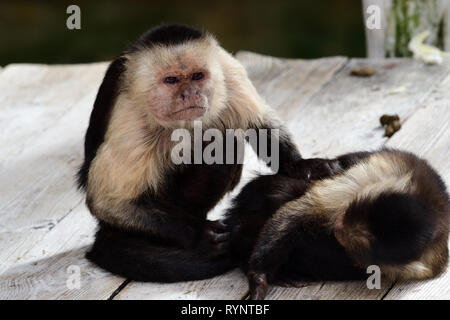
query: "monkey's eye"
197, 76
171, 80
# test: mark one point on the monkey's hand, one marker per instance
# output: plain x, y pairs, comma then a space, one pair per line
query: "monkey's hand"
258, 285
216, 238
316, 168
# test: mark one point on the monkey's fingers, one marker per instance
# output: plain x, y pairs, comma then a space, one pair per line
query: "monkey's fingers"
217, 226
258, 285
217, 237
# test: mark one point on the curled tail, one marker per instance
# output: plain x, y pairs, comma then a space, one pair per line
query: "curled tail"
143, 259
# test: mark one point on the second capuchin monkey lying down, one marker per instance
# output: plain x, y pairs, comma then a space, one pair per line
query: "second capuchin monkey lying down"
387, 208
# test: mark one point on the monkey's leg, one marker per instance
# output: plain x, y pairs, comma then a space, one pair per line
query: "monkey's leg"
253, 206
143, 258
164, 221
347, 160
277, 240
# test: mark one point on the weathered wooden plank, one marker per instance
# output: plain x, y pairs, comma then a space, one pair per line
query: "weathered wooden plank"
37, 173
286, 84
43, 271
344, 115
40, 95
348, 111
354, 290
427, 134
231, 285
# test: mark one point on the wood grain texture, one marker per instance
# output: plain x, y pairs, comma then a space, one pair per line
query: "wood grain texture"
35, 97
43, 271
44, 115
231, 285
287, 84
45, 111
354, 290
38, 162
344, 115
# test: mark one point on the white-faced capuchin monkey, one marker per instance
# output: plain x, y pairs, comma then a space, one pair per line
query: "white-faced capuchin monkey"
387, 208
151, 212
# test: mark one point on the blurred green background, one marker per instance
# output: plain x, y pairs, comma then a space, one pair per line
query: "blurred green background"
35, 31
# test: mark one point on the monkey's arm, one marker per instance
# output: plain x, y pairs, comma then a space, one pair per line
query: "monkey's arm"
288, 160
277, 239
276, 243
254, 113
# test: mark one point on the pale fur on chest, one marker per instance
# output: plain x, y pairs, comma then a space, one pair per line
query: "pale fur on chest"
134, 157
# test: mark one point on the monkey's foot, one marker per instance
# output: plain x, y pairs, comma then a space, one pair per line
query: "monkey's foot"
258, 285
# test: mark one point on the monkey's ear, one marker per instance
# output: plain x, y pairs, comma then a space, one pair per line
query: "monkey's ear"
339, 229
98, 123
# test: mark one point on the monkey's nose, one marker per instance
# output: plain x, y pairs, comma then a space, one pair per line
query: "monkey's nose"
182, 96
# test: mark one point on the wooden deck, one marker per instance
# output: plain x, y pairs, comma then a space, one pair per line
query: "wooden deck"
44, 110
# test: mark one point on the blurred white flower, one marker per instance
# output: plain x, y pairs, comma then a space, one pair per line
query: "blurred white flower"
427, 53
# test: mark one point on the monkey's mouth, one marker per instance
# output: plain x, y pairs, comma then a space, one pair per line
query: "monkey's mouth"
190, 112
189, 108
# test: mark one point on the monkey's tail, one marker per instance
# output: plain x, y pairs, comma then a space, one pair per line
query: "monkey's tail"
142, 259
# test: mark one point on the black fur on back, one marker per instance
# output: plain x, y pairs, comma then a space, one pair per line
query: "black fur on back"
169, 34
100, 115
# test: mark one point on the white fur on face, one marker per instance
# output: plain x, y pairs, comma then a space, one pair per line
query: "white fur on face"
147, 68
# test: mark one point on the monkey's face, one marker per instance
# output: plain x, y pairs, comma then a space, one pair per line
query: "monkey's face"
177, 84
182, 93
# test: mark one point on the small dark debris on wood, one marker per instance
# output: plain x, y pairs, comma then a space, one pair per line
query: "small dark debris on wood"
387, 119
392, 123
362, 72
